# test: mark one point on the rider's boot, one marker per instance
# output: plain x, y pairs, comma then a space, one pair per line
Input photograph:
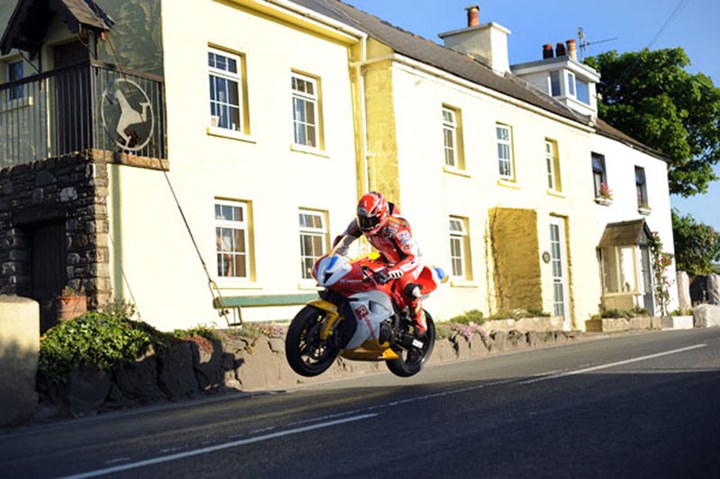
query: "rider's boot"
418, 318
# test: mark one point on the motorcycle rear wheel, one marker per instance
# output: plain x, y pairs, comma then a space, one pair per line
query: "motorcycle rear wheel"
411, 359
306, 353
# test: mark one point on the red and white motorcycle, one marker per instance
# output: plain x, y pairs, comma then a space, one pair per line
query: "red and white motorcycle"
359, 317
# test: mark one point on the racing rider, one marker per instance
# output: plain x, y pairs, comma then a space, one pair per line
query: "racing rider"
390, 234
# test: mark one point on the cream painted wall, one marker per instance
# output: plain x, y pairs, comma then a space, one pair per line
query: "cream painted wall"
620, 162
430, 194
158, 257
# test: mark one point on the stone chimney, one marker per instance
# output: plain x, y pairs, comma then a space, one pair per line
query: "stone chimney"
560, 49
548, 51
486, 43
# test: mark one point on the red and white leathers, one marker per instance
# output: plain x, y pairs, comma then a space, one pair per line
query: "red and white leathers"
399, 251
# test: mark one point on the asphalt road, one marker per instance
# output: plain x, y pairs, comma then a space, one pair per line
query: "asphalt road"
639, 405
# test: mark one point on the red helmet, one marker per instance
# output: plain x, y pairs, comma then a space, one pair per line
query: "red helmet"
372, 213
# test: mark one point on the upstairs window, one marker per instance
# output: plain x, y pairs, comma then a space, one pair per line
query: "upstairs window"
552, 165
571, 84
583, 91
305, 100
15, 71
452, 138
505, 151
225, 98
599, 174
641, 187
313, 240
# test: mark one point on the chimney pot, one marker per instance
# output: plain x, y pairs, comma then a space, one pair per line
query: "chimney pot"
472, 15
547, 51
560, 49
571, 49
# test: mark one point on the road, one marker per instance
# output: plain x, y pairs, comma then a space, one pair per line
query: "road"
637, 405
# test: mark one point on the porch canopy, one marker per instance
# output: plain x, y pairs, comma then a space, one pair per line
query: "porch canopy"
625, 233
31, 18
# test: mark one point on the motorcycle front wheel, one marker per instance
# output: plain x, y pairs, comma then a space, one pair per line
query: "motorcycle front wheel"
413, 356
306, 353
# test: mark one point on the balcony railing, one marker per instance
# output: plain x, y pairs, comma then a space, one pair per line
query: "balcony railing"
91, 105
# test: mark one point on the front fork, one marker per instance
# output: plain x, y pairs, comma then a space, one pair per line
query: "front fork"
331, 319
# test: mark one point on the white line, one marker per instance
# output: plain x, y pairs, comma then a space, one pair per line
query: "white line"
611, 365
218, 447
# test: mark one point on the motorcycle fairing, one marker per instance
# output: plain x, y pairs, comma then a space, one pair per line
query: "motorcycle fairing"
370, 308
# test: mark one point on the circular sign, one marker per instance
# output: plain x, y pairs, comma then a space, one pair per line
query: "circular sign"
546, 256
127, 114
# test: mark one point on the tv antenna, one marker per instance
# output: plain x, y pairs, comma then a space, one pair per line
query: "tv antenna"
584, 43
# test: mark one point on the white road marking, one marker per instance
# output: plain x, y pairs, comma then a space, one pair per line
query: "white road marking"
610, 365
218, 447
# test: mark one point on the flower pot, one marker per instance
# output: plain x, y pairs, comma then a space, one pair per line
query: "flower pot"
70, 307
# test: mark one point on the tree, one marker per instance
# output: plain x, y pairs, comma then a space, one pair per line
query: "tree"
697, 245
649, 96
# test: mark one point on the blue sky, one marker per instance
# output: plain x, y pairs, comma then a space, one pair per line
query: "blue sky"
622, 25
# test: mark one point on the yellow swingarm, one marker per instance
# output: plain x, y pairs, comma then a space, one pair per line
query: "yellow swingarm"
332, 316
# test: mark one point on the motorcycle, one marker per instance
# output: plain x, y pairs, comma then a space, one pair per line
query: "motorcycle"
357, 316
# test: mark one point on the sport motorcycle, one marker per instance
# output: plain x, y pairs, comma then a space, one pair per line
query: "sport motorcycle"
359, 316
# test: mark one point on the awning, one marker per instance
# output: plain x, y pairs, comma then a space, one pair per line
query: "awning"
31, 18
625, 233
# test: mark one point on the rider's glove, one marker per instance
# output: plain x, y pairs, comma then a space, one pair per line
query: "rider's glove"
388, 274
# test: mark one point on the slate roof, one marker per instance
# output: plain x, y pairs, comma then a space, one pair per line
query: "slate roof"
31, 18
433, 54
607, 130
625, 233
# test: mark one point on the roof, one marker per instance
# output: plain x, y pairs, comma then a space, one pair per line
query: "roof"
438, 56
605, 129
31, 18
625, 233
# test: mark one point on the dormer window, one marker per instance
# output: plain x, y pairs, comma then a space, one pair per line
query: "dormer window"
571, 84
555, 89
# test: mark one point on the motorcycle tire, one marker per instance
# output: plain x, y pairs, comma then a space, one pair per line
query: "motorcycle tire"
411, 360
306, 353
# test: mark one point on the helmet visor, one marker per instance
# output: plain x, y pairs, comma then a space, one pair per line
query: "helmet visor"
367, 223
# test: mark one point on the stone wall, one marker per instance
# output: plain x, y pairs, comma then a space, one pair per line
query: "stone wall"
71, 190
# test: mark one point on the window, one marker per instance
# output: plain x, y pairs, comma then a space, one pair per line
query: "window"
231, 239
599, 174
583, 91
505, 151
225, 97
459, 248
305, 100
450, 137
571, 84
618, 268
15, 72
641, 187
552, 164
555, 84
313, 240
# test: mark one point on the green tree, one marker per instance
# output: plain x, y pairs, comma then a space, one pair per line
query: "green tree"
650, 96
697, 245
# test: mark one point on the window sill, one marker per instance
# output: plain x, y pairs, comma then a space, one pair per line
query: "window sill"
462, 283
308, 150
231, 134
644, 210
603, 201
17, 103
456, 171
228, 283
555, 193
506, 183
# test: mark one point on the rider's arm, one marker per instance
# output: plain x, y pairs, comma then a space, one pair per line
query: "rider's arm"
344, 240
406, 245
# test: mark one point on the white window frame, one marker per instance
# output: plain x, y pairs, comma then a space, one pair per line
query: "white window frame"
450, 137
641, 187
459, 247
598, 174
550, 163
222, 106
306, 130
314, 231
227, 253
503, 134
570, 84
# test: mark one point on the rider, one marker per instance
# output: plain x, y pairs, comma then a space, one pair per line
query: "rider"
390, 234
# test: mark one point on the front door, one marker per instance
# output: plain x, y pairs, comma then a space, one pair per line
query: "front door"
559, 270
647, 280
47, 269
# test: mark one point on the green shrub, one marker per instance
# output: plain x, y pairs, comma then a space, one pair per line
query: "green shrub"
468, 317
106, 340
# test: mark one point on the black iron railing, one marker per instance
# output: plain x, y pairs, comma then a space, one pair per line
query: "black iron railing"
90, 105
